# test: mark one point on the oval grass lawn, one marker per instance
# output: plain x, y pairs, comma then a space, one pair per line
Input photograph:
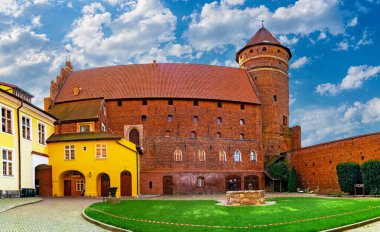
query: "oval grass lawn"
288, 214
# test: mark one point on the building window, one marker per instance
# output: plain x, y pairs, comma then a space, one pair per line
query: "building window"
144, 102
284, 120
222, 156
274, 98
195, 119
6, 120
218, 135
170, 102
201, 155
119, 103
195, 103
70, 152
80, 185
25, 121
237, 156
242, 106
193, 135
242, 122
170, 118
101, 151
253, 156
264, 49
177, 155
7, 163
200, 182
143, 118
84, 128
150, 184
167, 133
41, 133
219, 120
241, 136
220, 104
103, 128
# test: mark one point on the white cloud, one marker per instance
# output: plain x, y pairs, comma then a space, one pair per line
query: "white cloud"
179, 50
322, 36
342, 46
207, 29
353, 22
364, 40
70, 5
36, 21
300, 62
233, 2
356, 76
287, 41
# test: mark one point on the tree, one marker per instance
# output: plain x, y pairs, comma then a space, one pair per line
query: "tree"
348, 175
293, 181
371, 176
279, 171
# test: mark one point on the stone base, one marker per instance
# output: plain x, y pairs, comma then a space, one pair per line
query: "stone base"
251, 197
113, 200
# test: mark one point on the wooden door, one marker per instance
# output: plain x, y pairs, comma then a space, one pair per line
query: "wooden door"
134, 137
251, 182
67, 188
104, 184
168, 185
126, 184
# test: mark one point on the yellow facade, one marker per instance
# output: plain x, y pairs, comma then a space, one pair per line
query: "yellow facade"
12, 139
84, 167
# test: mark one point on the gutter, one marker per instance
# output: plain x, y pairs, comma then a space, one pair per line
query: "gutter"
19, 144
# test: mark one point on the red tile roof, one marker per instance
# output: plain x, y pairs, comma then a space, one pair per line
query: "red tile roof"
78, 110
174, 80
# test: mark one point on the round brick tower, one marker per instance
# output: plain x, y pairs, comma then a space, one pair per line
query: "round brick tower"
266, 60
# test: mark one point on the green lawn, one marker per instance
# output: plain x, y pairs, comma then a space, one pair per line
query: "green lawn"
208, 213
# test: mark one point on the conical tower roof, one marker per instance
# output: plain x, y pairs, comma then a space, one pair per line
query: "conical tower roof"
262, 36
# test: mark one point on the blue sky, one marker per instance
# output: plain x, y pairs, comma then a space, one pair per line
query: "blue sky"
334, 71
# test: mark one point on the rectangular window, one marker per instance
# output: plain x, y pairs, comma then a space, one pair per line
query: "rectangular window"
170, 102
284, 120
25, 121
70, 152
7, 163
101, 151
84, 128
6, 120
80, 185
145, 102
41, 133
195, 103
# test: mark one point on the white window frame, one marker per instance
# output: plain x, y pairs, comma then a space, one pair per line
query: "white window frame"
202, 155
30, 127
7, 162
39, 133
178, 155
237, 156
1, 122
200, 182
80, 185
254, 155
99, 152
84, 126
71, 152
222, 156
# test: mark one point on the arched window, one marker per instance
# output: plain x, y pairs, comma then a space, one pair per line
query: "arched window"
193, 135
222, 156
218, 135
264, 49
253, 156
219, 120
237, 156
134, 137
241, 136
242, 122
202, 155
143, 118
167, 133
200, 182
195, 119
178, 155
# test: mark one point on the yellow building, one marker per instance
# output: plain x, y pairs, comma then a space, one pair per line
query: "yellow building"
87, 163
23, 133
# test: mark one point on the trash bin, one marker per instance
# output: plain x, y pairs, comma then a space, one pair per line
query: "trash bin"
112, 191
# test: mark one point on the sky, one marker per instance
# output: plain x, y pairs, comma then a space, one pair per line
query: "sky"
333, 74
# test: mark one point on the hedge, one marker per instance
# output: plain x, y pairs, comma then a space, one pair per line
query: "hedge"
371, 177
293, 181
348, 175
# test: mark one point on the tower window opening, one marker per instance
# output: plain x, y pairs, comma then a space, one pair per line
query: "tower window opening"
278, 50
284, 120
195, 119
218, 135
242, 122
275, 98
195, 103
219, 120
119, 103
144, 102
251, 50
170, 102
193, 135
220, 104
242, 106
143, 118
170, 118
264, 49
241, 136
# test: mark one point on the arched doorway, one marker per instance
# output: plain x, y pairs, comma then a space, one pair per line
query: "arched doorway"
104, 182
43, 180
74, 183
134, 137
251, 182
233, 183
125, 183
168, 185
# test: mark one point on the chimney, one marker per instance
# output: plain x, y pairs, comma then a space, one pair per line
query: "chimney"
76, 90
154, 63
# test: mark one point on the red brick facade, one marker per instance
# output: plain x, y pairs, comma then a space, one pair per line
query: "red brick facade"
316, 165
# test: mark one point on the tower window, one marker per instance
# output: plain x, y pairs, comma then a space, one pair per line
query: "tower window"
195, 103
201, 155
278, 50
242, 122
150, 184
143, 118
170, 118
220, 104
251, 50
218, 135
195, 119
242, 106
200, 182
219, 120
253, 156
237, 156
264, 49
241, 136
170, 102
275, 98
144, 102
193, 135
119, 103
284, 120
167, 133
178, 155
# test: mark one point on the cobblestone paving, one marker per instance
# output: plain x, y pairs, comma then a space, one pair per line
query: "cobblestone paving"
9, 203
51, 214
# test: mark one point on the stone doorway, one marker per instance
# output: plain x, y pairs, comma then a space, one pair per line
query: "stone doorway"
168, 185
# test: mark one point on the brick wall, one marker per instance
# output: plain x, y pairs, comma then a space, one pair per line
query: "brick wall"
316, 165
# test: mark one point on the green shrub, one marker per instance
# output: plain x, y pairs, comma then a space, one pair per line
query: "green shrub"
293, 181
371, 177
348, 175
279, 171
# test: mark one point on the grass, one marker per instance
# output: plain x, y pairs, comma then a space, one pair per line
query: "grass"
204, 212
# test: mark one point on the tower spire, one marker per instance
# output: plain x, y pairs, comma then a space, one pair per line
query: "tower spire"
262, 23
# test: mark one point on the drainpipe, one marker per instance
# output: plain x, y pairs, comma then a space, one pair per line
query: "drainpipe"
19, 144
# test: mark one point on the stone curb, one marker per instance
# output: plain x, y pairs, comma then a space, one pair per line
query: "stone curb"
15, 206
103, 225
353, 226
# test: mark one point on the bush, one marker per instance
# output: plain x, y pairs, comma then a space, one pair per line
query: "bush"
371, 177
293, 181
348, 175
279, 171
